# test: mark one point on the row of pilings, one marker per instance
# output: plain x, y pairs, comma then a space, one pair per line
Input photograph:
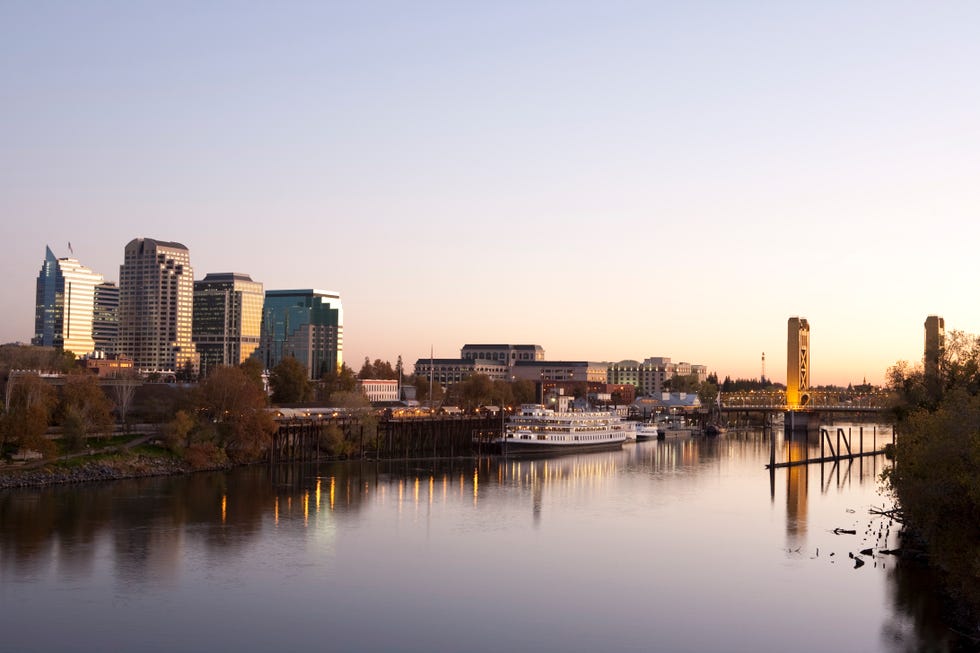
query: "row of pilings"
381, 438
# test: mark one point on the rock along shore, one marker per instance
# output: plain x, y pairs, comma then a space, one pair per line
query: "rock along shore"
136, 466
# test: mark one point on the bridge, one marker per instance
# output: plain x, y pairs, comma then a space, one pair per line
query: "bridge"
819, 401
799, 401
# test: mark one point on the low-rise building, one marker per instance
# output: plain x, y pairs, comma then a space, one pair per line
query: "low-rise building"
650, 376
560, 371
109, 366
508, 354
377, 390
669, 403
447, 371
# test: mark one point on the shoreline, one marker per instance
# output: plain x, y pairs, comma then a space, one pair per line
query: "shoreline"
107, 469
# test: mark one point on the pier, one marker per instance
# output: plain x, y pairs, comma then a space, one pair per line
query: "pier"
366, 435
841, 450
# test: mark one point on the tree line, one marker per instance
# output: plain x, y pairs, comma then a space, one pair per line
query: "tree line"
936, 475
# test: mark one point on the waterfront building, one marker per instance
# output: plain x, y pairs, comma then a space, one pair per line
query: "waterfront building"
105, 319
65, 305
935, 344
700, 371
227, 318
494, 360
156, 304
447, 371
647, 377
797, 362
574, 371
668, 403
507, 354
378, 390
307, 324
650, 376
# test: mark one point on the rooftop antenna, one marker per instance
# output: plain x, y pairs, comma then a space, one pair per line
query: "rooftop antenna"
763, 379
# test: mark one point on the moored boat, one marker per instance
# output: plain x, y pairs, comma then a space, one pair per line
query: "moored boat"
536, 429
647, 431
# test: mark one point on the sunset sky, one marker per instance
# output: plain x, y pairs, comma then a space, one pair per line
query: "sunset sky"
609, 180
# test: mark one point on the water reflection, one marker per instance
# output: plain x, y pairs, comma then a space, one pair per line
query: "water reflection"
687, 515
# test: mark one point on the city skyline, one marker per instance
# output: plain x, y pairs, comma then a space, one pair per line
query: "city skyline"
612, 182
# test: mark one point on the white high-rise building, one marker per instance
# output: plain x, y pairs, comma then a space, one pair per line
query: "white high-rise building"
156, 306
65, 305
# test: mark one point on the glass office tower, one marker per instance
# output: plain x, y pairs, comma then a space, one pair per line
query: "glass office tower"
305, 324
105, 323
65, 305
227, 318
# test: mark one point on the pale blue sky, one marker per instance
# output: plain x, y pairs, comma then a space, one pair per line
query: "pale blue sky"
608, 180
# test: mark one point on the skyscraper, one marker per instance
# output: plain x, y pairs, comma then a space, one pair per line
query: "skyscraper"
305, 324
798, 362
227, 318
105, 322
65, 305
156, 305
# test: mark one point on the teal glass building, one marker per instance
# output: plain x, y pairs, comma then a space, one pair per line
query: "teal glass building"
305, 324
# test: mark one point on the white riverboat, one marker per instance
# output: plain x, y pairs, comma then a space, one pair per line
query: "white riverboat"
536, 429
647, 431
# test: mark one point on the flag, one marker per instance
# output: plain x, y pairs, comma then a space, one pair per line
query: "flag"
70, 250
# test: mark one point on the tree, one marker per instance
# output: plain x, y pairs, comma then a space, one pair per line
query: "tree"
384, 370
84, 404
237, 408
123, 389
367, 370
290, 382
177, 432
678, 383
936, 476
333, 441
524, 391
187, 372
73, 429
473, 391
336, 381
345, 399
253, 370
31, 403
708, 394
379, 369
422, 390
502, 393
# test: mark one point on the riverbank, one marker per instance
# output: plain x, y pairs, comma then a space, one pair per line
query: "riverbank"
128, 464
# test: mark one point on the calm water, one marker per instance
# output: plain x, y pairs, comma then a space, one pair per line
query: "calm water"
680, 545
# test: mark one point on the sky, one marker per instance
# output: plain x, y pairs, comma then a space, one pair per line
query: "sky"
610, 180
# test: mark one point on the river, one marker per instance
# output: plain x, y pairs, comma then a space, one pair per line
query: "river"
678, 545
